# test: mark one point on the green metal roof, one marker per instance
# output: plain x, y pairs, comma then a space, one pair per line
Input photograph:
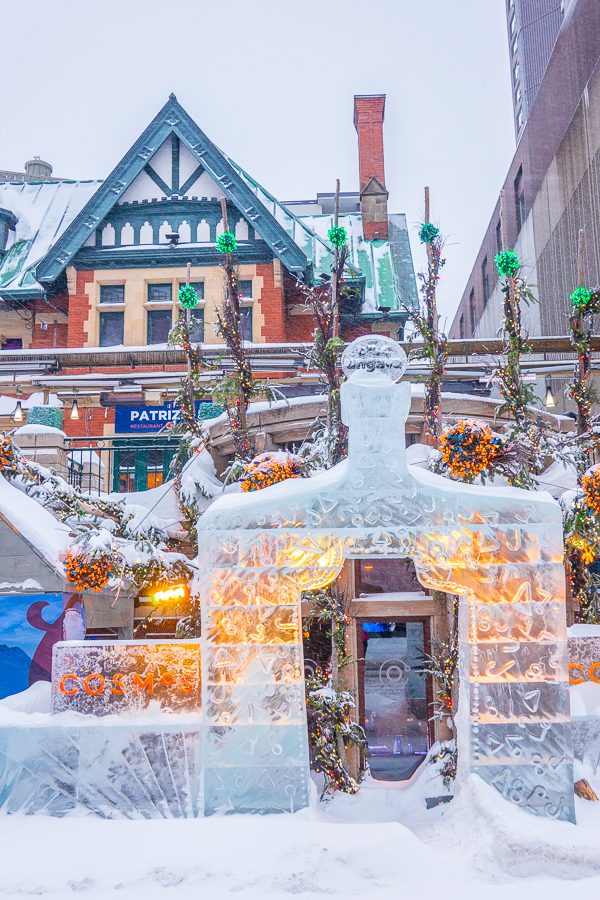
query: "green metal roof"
43, 212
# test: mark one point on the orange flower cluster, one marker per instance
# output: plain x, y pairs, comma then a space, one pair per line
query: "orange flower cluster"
88, 573
467, 449
268, 469
591, 490
7, 460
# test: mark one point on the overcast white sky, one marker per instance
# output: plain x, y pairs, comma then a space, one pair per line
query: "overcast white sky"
272, 83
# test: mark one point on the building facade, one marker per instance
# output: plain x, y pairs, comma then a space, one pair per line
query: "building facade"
552, 190
96, 264
533, 27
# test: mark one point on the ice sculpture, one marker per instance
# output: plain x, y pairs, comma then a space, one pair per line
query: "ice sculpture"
499, 549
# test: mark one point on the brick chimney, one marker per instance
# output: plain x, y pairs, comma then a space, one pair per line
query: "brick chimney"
368, 121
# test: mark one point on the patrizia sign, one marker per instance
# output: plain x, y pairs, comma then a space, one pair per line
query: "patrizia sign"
125, 676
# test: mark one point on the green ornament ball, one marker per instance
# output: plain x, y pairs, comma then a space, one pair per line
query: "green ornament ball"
581, 298
337, 236
226, 242
507, 262
187, 296
428, 233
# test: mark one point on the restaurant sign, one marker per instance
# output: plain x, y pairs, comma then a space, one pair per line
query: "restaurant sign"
117, 677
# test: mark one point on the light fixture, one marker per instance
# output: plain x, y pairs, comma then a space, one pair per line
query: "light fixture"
549, 401
74, 408
18, 413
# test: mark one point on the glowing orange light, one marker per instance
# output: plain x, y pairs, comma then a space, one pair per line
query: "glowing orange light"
177, 592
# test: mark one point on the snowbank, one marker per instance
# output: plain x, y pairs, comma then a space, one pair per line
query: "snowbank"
36, 524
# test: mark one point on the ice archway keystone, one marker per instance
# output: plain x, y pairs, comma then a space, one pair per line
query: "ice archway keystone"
500, 549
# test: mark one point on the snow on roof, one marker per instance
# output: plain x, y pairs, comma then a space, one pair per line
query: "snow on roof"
39, 527
43, 212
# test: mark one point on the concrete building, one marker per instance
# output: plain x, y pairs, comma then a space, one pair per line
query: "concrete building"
552, 190
533, 27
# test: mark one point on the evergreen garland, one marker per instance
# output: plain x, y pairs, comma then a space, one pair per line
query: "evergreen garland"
187, 296
428, 233
226, 242
337, 236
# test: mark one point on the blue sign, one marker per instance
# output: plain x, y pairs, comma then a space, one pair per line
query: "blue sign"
145, 419
151, 419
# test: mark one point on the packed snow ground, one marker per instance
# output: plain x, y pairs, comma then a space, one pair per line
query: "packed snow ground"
380, 844
475, 847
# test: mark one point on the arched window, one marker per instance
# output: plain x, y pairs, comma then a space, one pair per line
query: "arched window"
241, 230
203, 232
163, 231
185, 233
146, 234
127, 234
108, 236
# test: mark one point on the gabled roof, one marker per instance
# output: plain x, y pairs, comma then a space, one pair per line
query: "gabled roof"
43, 212
172, 119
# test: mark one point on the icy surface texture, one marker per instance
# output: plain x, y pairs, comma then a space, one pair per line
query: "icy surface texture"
500, 549
133, 771
102, 679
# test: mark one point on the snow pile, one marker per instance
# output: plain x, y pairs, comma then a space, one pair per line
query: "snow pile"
36, 524
36, 699
475, 847
39, 429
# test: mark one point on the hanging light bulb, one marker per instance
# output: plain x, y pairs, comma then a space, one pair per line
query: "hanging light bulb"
18, 413
549, 401
74, 408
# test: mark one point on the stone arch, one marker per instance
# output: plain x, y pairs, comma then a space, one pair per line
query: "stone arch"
500, 550
163, 231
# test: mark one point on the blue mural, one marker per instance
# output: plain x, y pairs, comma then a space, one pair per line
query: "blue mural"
29, 626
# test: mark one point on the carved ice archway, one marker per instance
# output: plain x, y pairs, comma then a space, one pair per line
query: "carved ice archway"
500, 549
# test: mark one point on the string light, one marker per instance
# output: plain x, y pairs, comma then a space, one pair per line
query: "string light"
591, 490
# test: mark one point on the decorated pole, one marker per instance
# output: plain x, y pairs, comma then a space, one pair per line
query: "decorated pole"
584, 355
188, 325
242, 384
508, 264
336, 261
435, 344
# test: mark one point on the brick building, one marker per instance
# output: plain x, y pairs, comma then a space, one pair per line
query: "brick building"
94, 267
97, 264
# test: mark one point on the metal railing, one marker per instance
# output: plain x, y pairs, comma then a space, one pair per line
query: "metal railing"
119, 464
